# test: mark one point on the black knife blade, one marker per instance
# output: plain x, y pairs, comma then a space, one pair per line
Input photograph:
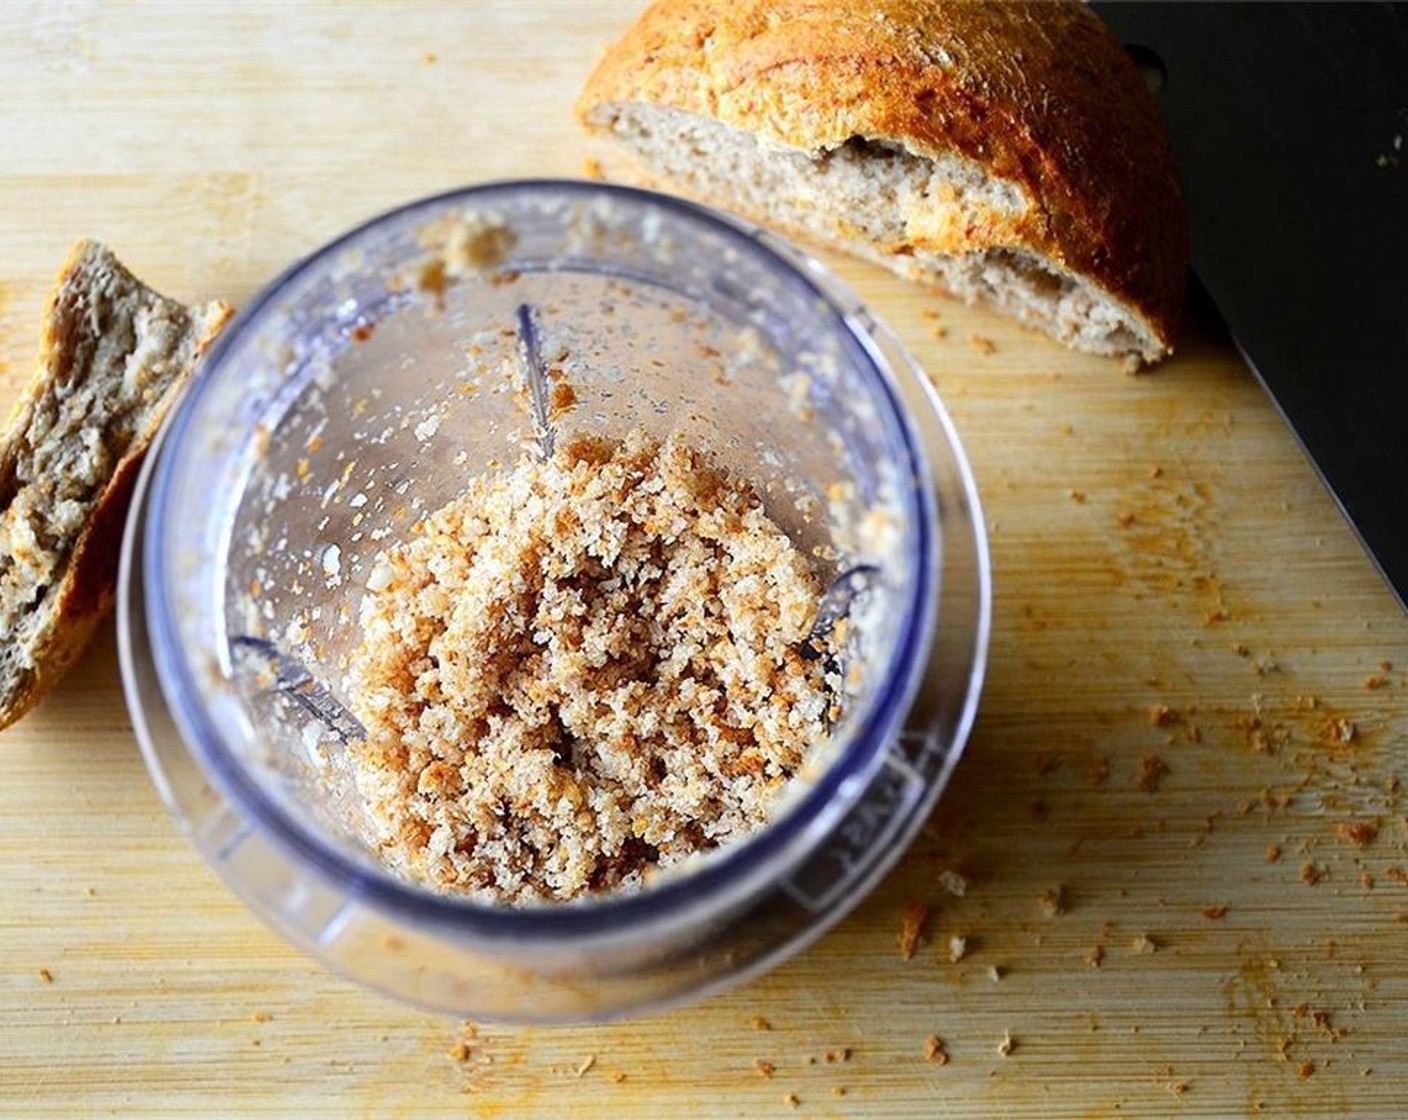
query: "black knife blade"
1288, 121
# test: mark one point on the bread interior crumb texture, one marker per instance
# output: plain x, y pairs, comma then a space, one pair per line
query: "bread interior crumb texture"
114, 352
859, 196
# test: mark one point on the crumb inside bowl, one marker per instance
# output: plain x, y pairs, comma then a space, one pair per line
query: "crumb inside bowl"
584, 669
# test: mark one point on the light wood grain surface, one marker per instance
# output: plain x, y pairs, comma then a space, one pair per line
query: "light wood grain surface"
1156, 540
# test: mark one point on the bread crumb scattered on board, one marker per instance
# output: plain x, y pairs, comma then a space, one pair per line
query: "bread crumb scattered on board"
1144, 944
1151, 772
45, 975
1006, 1044
982, 344
1053, 901
1096, 955
935, 1051
1339, 730
791, 1100
1359, 833
953, 882
585, 1067
1273, 853
1310, 874
764, 1069
1214, 913
957, 948
916, 916
758, 1023
1161, 715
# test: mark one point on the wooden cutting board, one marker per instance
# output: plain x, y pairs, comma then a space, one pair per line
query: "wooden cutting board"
1186, 633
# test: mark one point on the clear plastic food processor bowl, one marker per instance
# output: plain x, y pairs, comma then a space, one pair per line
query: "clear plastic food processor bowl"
361, 390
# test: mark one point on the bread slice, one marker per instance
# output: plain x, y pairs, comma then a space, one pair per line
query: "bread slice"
1009, 152
113, 357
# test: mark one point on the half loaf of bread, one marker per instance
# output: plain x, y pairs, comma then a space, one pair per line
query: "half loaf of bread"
114, 355
1009, 152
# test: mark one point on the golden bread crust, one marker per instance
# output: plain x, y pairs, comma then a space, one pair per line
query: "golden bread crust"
1039, 95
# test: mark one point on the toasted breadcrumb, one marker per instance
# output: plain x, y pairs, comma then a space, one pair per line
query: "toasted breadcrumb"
758, 1023
1339, 730
1006, 1044
953, 882
1151, 772
1214, 913
957, 948
935, 1051
460, 1052
982, 344
592, 169
1098, 772
912, 928
1053, 901
1310, 874
1273, 853
1144, 944
45, 975
1359, 833
561, 398
764, 1069
582, 669
260, 1017
791, 1100
617, 1076
585, 1067
1096, 955
1161, 715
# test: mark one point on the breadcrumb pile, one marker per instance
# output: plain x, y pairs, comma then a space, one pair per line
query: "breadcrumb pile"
582, 669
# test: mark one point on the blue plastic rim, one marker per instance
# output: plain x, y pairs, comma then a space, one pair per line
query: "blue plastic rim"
835, 790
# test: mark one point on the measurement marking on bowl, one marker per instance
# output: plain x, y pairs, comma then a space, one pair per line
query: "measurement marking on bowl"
862, 839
